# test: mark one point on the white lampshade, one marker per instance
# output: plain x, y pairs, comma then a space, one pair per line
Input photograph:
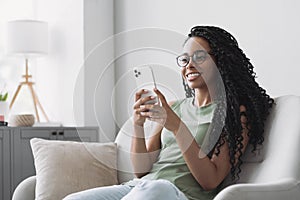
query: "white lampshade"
27, 38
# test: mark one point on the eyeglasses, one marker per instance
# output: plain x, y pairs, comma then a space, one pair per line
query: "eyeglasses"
198, 57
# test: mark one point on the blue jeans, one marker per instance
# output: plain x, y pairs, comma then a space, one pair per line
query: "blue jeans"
143, 190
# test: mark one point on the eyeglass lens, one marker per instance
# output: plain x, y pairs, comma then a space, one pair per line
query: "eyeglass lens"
198, 57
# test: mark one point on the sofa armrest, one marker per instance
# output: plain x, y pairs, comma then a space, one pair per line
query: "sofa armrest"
282, 189
25, 190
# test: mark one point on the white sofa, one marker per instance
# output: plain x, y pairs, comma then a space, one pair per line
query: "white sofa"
273, 173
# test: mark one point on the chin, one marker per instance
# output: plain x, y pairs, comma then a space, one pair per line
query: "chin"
194, 85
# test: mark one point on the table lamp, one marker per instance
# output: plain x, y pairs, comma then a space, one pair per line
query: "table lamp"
29, 39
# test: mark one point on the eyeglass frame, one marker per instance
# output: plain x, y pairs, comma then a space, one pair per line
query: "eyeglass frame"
192, 56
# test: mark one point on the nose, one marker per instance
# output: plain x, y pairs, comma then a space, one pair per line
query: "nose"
191, 64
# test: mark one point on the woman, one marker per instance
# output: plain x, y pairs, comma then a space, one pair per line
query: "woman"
201, 138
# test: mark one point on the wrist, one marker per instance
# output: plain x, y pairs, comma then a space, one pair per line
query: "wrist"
138, 130
177, 127
138, 125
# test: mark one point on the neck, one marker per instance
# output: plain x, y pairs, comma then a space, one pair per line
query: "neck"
202, 97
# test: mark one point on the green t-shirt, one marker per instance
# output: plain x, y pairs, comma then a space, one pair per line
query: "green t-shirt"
171, 164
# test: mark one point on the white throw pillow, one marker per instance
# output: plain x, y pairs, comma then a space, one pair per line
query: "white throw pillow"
64, 167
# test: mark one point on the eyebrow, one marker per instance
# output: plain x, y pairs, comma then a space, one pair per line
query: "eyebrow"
185, 53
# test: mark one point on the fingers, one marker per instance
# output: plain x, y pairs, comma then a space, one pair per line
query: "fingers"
146, 110
153, 111
139, 93
161, 97
141, 98
144, 93
143, 101
143, 110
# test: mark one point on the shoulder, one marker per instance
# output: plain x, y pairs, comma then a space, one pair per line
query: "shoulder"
172, 103
176, 103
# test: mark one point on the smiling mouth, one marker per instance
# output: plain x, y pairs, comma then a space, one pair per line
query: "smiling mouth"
193, 75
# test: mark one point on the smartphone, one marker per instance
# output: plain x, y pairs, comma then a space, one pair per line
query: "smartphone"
144, 77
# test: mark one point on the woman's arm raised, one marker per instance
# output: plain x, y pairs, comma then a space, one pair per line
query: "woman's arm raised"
209, 172
143, 156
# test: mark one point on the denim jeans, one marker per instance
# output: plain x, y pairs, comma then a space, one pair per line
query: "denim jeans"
143, 190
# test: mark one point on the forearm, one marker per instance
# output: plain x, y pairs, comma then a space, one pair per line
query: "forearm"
203, 169
140, 157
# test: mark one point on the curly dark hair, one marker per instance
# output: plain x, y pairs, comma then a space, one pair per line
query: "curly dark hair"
241, 88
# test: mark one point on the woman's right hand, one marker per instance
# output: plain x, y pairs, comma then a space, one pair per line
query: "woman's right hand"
138, 118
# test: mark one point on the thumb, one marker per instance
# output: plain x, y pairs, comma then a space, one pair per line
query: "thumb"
161, 97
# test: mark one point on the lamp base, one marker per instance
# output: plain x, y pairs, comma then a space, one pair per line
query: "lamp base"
36, 101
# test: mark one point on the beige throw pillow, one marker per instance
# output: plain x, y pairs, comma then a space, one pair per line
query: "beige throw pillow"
64, 167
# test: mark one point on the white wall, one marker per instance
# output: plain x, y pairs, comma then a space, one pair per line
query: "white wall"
57, 74
11, 68
75, 80
268, 32
79, 91
99, 66
82, 78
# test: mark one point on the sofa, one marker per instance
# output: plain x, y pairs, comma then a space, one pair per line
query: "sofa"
270, 173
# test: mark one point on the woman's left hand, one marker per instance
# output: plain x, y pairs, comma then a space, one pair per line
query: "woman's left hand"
162, 113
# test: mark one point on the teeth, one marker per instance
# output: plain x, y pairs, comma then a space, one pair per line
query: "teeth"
193, 74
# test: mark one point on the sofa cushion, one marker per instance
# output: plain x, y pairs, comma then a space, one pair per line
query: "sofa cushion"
64, 167
282, 140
